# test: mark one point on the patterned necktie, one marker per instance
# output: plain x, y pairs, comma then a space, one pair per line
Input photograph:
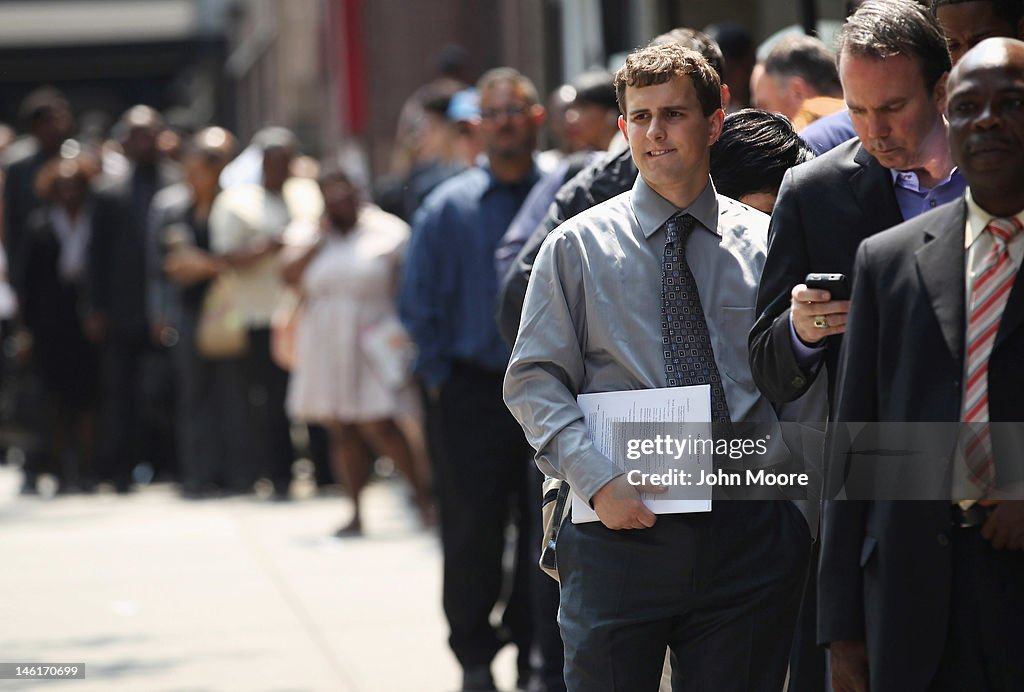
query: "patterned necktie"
689, 358
988, 299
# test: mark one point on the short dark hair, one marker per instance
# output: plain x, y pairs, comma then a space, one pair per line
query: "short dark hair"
698, 41
40, 103
435, 97
734, 40
754, 151
596, 87
332, 172
884, 28
1010, 11
658, 64
808, 58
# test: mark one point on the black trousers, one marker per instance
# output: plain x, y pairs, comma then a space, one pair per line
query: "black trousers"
121, 427
482, 487
269, 427
807, 659
721, 589
984, 640
211, 417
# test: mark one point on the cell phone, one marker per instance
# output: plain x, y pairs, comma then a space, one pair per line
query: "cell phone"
833, 283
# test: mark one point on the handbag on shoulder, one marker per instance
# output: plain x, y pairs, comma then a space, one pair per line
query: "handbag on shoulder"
222, 332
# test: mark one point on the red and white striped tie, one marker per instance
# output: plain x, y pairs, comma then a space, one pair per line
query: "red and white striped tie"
988, 299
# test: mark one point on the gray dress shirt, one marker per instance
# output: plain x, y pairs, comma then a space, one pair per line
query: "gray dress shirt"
591, 321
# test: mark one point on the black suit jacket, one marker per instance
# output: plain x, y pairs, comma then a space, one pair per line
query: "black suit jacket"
52, 310
886, 567
20, 200
118, 252
826, 207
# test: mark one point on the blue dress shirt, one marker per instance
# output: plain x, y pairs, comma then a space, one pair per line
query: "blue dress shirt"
450, 285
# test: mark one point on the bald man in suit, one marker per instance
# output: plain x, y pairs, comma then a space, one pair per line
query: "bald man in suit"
930, 595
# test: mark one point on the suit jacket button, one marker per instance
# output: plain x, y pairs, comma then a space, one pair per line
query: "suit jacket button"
798, 381
942, 539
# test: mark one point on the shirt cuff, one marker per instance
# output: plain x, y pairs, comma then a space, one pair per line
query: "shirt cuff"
806, 356
587, 476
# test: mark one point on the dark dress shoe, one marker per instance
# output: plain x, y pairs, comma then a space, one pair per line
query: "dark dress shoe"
478, 679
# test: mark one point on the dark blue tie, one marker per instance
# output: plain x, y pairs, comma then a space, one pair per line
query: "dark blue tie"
689, 358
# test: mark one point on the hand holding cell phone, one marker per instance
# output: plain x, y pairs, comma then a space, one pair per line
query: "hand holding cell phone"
819, 307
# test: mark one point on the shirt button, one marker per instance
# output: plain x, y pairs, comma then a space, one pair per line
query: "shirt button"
798, 382
931, 203
942, 539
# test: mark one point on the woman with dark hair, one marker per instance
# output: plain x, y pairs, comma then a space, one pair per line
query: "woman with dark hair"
54, 264
348, 372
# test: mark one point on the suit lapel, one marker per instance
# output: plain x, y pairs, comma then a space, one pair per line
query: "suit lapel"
940, 261
873, 188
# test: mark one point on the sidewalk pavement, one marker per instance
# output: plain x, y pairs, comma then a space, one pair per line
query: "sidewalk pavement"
153, 592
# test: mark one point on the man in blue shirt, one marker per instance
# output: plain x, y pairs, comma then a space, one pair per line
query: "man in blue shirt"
447, 304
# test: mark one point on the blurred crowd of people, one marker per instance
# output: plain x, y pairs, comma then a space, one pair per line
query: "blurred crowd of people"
361, 324
110, 254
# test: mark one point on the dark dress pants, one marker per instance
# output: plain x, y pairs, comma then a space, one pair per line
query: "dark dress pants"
482, 486
121, 428
807, 659
211, 418
985, 637
268, 388
721, 589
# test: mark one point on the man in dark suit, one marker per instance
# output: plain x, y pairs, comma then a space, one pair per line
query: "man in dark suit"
118, 275
930, 595
50, 122
49, 119
898, 167
892, 64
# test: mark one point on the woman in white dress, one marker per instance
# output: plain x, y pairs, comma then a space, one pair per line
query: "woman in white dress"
349, 373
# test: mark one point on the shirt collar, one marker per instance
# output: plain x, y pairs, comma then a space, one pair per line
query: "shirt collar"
908, 180
493, 182
652, 210
978, 218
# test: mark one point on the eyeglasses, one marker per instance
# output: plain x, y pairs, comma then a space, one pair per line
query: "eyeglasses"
508, 111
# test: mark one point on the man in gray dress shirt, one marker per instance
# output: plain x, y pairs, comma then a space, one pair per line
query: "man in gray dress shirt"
719, 588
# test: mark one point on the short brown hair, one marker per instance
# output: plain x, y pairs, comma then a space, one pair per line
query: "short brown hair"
698, 41
658, 64
883, 28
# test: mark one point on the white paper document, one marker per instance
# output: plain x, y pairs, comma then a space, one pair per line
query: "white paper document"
648, 410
